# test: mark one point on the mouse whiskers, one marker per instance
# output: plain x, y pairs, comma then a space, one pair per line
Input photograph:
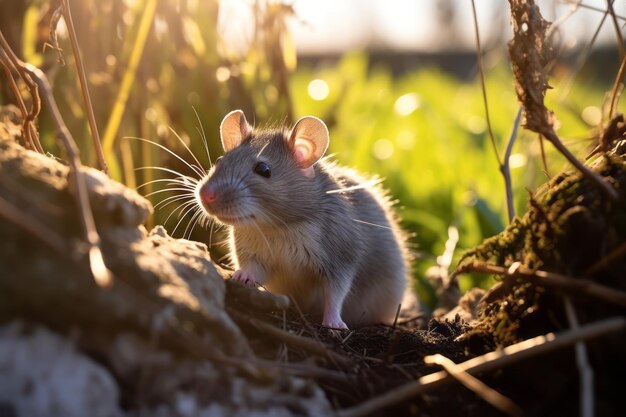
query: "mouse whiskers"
373, 224
200, 130
186, 207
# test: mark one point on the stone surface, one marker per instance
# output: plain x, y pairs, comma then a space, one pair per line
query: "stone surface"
42, 374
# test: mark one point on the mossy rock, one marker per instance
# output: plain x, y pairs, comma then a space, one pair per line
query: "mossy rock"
569, 227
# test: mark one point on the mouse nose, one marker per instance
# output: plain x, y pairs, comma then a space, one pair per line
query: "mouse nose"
208, 194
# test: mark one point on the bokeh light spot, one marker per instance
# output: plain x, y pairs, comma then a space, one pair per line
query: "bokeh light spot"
592, 115
383, 149
318, 90
517, 160
476, 124
222, 74
407, 104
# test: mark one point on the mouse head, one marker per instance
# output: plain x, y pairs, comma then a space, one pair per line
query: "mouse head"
263, 174
308, 139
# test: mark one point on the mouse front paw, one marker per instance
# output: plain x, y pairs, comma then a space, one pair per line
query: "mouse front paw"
335, 323
245, 277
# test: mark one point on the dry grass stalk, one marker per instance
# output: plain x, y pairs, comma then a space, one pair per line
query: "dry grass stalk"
10, 64
100, 272
485, 392
585, 370
502, 163
552, 279
80, 70
309, 345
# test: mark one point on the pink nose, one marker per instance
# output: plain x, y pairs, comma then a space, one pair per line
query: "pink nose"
208, 194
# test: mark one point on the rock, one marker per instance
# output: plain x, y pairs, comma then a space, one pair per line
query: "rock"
156, 276
42, 374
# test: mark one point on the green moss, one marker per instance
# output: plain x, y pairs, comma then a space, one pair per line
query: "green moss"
570, 225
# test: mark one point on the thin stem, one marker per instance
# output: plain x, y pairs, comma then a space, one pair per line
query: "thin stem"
585, 370
101, 273
15, 63
31, 140
80, 69
618, 31
593, 176
479, 57
128, 79
505, 167
616, 90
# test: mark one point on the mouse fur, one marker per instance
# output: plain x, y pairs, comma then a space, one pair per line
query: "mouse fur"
301, 230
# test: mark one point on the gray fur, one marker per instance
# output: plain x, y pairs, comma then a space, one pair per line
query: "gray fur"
307, 239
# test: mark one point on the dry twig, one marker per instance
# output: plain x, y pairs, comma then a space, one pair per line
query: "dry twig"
530, 53
8, 59
488, 362
101, 273
309, 345
472, 383
586, 372
612, 256
617, 87
618, 30
80, 69
564, 282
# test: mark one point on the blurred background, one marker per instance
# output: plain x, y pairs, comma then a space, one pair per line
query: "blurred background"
397, 82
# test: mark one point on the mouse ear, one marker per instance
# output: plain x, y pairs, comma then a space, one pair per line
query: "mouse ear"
234, 129
308, 141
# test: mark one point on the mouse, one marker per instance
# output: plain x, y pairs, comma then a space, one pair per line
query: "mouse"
304, 226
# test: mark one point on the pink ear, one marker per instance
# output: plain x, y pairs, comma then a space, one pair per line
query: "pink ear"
234, 129
309, 141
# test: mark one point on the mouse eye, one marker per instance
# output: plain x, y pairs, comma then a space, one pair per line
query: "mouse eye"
263, 169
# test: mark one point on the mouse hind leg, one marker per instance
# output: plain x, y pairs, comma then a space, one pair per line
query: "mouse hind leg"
335, 293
